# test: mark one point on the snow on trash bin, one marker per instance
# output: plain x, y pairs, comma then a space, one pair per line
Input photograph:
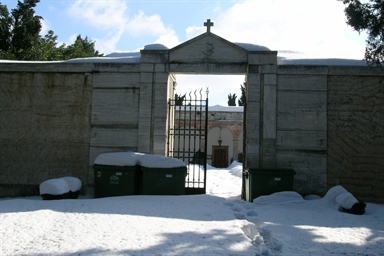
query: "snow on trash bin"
128, 158
162, 175
116, 174
155, 161
54, 189
74, 186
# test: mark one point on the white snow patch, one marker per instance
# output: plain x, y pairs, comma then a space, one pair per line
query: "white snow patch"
54, 187
155, 47
333, 192
280, 198
73, 183
124, 54
215, 108
118, 159
154, 161
132, 60
219, 108
253, 47
346, 200
134, 158
236, 168
218, 223
321, 62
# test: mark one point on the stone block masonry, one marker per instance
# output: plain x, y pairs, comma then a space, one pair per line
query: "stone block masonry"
356, 134
44, 128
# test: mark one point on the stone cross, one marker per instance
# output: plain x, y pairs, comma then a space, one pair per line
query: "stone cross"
208, 24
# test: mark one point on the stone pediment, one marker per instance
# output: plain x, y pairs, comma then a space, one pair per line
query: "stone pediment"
208, 48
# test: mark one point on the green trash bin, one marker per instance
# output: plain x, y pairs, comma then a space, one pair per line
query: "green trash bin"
266, 181
163, 181
116, 174
115, 180
162, 175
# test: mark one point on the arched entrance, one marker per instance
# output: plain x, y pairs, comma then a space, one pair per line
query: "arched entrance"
211, 54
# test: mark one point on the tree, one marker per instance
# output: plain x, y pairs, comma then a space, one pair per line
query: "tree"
232, 99
19, 29
81, 48
46, 48
179, 100
370, 17
5, 28
241, 101
20, 38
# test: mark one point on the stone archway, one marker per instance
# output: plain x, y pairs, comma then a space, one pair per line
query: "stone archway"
211, 54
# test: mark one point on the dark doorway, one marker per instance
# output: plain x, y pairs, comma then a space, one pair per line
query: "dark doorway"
220, 156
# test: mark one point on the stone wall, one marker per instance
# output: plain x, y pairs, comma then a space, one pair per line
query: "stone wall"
45, 126
356, 131
324, 122
301, 141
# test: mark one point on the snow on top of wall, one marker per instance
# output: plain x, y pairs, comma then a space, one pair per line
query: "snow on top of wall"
120, 54
155, 47
216, 108
131, 59
323, 62
133, 158
253, 47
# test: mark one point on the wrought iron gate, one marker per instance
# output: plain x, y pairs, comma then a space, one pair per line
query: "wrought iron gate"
187, 137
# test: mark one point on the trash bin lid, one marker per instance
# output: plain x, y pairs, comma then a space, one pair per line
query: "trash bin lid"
154, 161
128, 158
271, 170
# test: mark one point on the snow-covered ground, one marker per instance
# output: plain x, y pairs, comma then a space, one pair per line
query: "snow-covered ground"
218, 223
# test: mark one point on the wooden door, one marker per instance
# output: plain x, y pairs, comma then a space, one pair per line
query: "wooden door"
220, 156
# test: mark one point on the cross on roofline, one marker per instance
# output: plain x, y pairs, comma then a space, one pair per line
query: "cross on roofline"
208, 24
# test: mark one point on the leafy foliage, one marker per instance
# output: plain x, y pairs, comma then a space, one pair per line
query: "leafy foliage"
20, 38
369, 17
232, 99
179, 99
81, 48
241, 101
19, 29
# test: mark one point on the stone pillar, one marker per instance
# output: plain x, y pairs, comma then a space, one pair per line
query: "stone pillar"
268, 142
252, 121
260, 112
153, 101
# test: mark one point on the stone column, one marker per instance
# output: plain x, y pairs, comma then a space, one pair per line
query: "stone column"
153, 101
260, 112
268, 142
252, 120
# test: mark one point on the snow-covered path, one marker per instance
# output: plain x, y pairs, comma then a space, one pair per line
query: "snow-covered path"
218, 223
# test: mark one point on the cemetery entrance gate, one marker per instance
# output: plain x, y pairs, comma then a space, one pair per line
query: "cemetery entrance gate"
187, 137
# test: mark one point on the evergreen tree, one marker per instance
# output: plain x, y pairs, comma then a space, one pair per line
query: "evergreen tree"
19, 29
232, 99
5, 29
369, 17
179, 100
241, 101
81, 48
46, 48
20, 39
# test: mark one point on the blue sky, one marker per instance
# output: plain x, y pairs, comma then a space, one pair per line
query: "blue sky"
295, 28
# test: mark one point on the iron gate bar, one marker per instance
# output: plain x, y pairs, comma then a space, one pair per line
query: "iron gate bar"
191, 115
